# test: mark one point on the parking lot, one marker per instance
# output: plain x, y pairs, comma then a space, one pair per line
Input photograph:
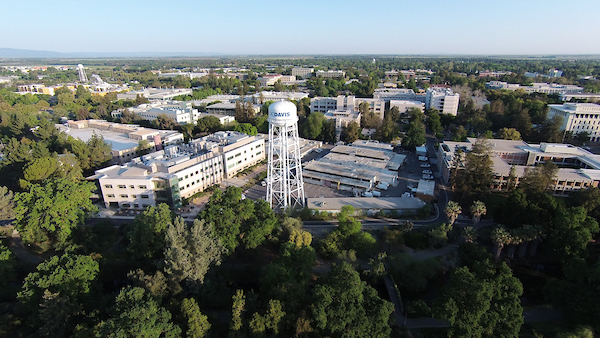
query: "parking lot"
408, 176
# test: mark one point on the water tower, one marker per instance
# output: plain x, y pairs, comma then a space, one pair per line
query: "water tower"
285, 188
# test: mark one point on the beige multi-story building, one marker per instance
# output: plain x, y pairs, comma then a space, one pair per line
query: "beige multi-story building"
578, 168
342, 119
388, 94
303, 72
178, 171
330, 73
578, 118
442, 99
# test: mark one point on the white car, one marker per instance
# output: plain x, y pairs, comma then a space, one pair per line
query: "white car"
423, 158
427, 177
427, 171
425, 165
407, 194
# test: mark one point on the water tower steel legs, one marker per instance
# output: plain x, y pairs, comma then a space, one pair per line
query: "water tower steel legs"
285, 187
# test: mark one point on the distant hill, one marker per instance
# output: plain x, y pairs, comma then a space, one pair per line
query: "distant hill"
27, 53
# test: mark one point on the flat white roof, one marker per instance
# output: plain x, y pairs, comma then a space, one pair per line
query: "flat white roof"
366, 203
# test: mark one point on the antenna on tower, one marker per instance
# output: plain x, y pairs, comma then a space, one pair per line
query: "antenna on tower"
285, 187
81, 71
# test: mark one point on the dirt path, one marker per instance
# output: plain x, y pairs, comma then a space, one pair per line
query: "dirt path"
17, 247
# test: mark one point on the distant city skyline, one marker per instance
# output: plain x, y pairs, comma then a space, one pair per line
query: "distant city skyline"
265, 27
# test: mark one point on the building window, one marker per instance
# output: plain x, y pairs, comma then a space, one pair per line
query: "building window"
229, 158
142, 187
144, 196
133, 196
109, 186
122, 187
124, 196
110, 195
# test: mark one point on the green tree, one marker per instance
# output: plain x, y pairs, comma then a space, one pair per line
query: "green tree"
189, 252
475, 180
38, 171
539, 179
488, 307
197, 323
137, 314
50, 212
270, 320
208, 124
570, 232
147, 233
435, 122
246, 128
57, 291
227, 211
237, 313
415, 135
344, 305
164, 122
350, 133
509, 134
260, 226
313, 125
7, 205
7, 270
387, 131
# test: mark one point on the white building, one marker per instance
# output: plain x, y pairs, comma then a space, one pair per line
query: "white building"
155, 93
180, 111
442, 99
404, 105
303, 72
342, 119
388, 94
330, 73
178, 171
277, 96
346, 103
578, 117
538, 87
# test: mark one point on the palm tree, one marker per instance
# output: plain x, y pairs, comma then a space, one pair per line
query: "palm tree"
470, 234
452, 211
477, 210
500, 236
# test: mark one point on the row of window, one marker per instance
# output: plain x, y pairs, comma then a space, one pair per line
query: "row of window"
121, 186
127, 196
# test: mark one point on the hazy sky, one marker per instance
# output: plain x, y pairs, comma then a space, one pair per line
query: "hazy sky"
304, 27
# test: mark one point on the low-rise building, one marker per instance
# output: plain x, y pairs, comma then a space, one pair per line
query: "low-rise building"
155, 93
389, 94
405, 105
181, 112
330, 73
346, 103
127, 141
355, 168
578, 168
538, 87
578, 118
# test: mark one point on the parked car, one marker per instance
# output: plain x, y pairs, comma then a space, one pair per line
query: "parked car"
367, 194
425, 165
376, 193
423, 158
427, 171
383, 185
427, 177
263, 183
407, 194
